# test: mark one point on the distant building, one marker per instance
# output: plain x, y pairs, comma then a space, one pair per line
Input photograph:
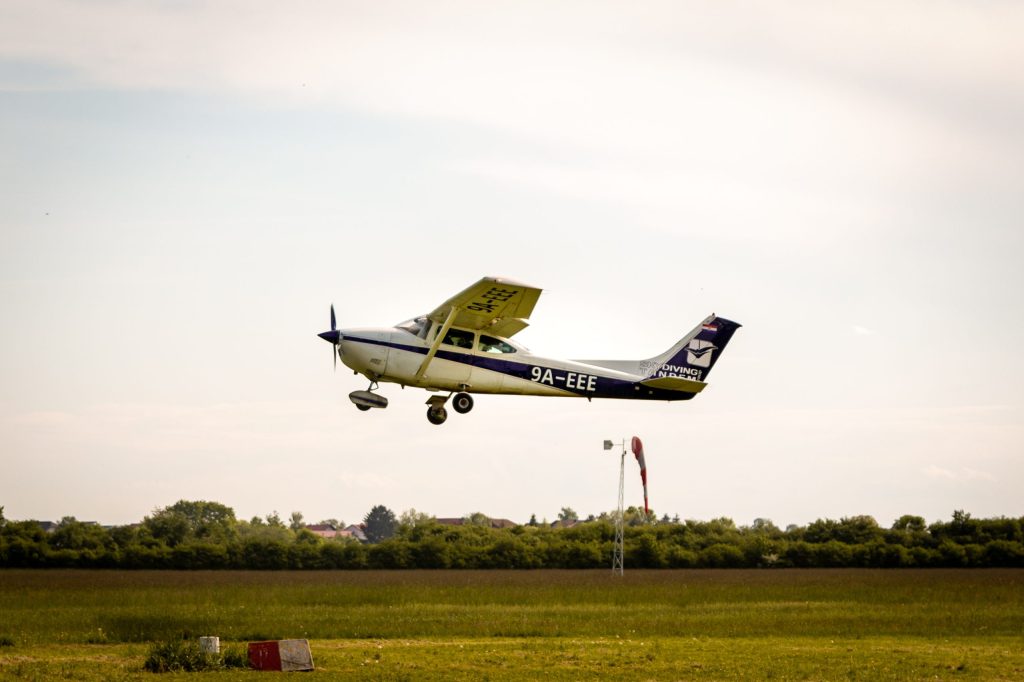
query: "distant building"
353, 531
50, 526
324, 530
567, 523
329, 531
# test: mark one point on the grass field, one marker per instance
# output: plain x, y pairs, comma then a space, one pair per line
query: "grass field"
505, 625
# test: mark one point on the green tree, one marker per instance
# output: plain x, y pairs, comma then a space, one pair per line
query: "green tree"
73, 534
295, 521
380, 524
765, 527
568, 514
477, 519
168, 527
858, 530
187, 520
909, 524
411, 518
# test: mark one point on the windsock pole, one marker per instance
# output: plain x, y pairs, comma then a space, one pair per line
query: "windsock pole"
617, 559
617, 552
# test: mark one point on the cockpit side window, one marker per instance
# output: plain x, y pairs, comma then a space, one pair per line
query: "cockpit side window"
459, 338
489, 344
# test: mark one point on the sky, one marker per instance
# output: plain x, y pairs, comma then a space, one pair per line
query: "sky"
186, 187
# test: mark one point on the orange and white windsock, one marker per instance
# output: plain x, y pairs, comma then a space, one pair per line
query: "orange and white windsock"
638, 452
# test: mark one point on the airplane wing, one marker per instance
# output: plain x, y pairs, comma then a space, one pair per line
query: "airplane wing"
493, 305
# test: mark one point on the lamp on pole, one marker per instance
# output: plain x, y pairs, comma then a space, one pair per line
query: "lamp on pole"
617, 553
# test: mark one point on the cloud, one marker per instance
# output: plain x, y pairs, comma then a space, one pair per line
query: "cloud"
963, 474
365, 481
975, 474
938, 472
733, 88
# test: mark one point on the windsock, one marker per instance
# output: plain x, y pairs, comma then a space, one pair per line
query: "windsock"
638, 451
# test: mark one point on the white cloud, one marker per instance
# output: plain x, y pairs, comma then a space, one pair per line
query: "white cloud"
961, 474
366, 481
939, 472
743, 89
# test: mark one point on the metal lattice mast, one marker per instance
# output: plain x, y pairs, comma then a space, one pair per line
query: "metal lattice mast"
617, 562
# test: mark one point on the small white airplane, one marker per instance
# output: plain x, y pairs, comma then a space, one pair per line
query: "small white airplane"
464, 347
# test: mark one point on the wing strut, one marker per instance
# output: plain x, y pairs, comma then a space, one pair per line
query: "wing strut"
437, 342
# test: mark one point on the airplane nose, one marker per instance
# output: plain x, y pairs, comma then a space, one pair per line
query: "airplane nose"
334, 336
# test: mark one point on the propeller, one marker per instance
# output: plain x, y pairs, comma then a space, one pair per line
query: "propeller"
333, 336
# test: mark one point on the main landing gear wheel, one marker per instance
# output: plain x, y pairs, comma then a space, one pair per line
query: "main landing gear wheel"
437, 415
363, 408
462, 402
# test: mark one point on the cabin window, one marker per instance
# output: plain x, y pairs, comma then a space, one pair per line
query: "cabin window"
489, 344
459, 338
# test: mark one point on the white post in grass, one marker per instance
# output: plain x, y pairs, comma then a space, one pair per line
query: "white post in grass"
209, 645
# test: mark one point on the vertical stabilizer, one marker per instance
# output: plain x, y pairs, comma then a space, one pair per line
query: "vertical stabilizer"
693, 356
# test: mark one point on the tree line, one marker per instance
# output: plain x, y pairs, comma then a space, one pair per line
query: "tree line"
206, 535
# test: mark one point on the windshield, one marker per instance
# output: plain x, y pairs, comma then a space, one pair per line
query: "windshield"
416, 327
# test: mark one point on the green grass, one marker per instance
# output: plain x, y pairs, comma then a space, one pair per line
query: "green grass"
792, 624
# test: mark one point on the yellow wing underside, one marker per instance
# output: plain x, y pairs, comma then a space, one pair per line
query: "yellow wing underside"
495, 305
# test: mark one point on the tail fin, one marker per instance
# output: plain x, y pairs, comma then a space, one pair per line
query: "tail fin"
693, 356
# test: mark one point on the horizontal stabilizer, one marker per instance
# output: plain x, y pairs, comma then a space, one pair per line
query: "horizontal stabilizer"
675, 384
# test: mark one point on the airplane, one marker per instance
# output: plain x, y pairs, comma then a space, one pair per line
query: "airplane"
464, 347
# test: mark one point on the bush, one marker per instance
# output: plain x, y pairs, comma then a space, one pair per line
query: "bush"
1004, 553
390, 554
165, 657
721, 556
679, 557
186, 656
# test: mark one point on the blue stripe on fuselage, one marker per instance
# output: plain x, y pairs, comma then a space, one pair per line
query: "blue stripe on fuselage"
573, 381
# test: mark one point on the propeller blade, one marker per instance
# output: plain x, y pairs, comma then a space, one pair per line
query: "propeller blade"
334, 350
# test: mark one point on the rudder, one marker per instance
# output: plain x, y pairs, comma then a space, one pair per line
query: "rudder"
693, 356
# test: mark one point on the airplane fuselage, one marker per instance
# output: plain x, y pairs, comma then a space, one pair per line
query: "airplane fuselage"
464, 347
392, 354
